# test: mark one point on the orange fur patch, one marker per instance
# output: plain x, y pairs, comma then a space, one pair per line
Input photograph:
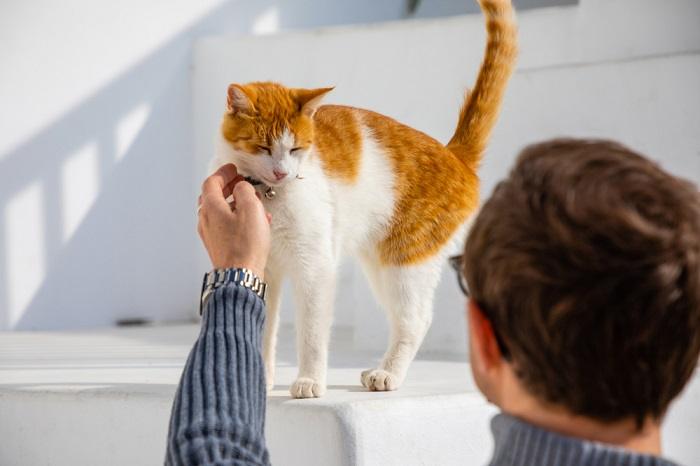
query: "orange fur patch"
273, 108
435, 191
437, 187
480, 109
338, 138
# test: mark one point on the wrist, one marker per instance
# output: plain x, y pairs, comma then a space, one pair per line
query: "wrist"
252, 265
241, 276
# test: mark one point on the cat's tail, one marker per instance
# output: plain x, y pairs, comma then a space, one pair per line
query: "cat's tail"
480, 109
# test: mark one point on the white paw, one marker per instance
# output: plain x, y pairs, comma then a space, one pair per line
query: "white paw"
305, 387
379, 380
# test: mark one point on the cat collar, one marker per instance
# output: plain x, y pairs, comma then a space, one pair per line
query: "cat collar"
269, 192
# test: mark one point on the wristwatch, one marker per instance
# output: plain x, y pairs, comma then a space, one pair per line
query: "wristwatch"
242, 276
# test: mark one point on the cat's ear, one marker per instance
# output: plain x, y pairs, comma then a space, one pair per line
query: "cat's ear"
310, 99
239, 99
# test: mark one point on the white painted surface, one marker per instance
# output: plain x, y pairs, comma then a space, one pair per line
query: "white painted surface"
587, 70
112, 80
108, 84
104, 397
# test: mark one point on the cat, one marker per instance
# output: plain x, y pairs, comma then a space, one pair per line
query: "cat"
346, 181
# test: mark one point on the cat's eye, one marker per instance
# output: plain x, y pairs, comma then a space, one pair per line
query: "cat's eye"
291, 151
265, 149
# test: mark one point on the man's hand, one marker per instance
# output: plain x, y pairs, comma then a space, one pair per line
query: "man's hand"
236, 234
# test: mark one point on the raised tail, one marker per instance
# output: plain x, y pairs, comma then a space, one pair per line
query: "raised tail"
480, 108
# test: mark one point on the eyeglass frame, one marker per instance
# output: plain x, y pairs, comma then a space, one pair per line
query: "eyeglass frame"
457, 263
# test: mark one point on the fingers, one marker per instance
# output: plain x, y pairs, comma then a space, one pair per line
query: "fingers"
220, 181
244, 192
228, 189
217, 191
247, 199
217, 187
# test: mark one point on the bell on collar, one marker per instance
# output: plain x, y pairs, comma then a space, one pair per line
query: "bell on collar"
270, 193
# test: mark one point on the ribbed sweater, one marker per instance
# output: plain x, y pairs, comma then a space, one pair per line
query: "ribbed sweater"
520, 443
218, 416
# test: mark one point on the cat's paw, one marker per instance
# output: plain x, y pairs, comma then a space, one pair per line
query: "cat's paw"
379, 380
305, 387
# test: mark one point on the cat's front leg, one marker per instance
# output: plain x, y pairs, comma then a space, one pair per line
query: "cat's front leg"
273, 278
314, 287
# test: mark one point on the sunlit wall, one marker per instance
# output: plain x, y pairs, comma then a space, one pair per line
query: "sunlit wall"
98, 166
97, 217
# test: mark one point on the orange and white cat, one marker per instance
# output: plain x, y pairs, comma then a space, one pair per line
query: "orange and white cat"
353, 182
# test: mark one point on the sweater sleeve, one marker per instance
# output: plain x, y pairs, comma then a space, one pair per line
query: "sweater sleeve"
218, 416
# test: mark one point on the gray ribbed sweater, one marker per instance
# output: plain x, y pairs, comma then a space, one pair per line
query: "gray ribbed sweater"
218, 415
519, 443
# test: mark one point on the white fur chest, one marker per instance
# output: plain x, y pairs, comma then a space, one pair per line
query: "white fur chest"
354, 215
319, 211
302, 216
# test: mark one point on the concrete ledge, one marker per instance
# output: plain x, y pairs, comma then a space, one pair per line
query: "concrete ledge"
104, 397
437, 418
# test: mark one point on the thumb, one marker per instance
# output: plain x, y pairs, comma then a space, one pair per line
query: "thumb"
247, 203
244, 193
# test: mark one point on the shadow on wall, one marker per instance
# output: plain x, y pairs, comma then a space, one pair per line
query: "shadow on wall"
98, 210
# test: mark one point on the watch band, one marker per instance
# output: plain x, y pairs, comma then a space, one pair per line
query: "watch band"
242, 276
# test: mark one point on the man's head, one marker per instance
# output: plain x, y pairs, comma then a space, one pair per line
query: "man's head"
585, 264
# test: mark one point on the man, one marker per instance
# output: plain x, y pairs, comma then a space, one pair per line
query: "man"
583, 271
584, 311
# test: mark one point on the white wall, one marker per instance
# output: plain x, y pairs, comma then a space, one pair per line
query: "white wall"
97, 172
626, 69
438, 8
96, 210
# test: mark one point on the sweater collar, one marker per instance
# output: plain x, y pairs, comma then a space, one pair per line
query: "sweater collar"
518, 442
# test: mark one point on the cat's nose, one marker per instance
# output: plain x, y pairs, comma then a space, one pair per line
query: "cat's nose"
279, 174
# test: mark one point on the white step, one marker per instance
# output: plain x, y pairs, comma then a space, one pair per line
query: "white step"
103, 398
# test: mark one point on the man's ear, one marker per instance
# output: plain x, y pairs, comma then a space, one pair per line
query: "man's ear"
310, 99
240, 99
482, 340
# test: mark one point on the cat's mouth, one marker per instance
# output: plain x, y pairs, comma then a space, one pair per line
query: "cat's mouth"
270, 182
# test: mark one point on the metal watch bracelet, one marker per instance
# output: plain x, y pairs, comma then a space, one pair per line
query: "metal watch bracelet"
242, 276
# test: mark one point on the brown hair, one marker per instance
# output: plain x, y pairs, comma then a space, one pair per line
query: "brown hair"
587, 261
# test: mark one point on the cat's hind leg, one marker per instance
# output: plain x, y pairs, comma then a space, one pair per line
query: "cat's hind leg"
406, 294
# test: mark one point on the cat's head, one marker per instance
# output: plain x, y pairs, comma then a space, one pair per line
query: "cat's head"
269, 129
